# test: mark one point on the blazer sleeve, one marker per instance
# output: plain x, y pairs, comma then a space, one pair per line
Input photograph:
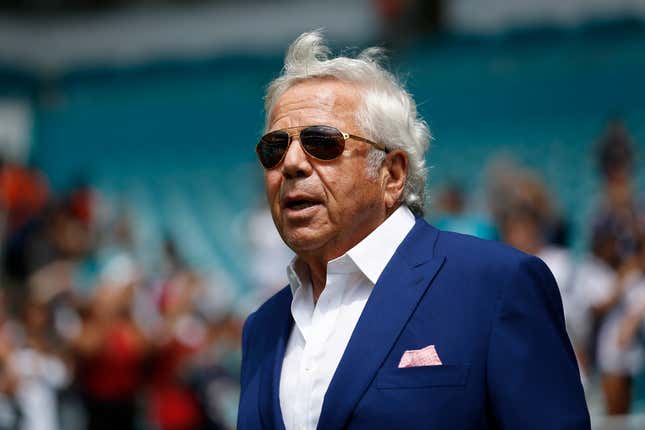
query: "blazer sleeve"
246, 335
532, 374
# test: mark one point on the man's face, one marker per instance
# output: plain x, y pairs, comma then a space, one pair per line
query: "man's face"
322, 208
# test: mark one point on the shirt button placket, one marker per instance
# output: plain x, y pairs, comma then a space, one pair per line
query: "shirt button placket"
306, 376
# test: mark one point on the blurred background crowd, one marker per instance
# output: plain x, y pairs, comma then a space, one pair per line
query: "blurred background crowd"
133, 230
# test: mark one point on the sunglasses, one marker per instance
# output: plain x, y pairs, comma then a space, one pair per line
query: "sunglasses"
321, 142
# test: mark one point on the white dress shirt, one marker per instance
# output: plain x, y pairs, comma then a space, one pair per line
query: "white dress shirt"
321, 332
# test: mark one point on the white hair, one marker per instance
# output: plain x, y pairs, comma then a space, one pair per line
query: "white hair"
388, 114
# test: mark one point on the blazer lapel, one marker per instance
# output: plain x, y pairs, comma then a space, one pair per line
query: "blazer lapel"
393, 300
270, 412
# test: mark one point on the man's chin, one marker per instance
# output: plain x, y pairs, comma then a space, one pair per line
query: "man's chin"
304, 239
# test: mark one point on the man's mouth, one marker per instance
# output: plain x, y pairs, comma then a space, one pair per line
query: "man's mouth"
299, 203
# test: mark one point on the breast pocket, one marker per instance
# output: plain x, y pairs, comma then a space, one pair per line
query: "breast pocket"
422, 377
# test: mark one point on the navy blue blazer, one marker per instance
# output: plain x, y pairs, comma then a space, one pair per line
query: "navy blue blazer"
495, 317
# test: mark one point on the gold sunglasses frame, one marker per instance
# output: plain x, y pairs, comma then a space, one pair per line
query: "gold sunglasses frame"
293, 131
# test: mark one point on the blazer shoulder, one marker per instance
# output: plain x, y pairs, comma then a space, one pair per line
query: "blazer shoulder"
475, 251
488, 262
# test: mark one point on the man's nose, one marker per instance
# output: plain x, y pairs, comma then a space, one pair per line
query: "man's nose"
296, 163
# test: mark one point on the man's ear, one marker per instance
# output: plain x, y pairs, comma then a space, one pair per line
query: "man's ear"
395, 173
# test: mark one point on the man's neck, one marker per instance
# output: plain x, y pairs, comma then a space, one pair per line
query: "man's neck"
318, 274
317, 263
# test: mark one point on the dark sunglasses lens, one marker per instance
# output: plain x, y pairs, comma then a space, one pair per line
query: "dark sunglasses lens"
272, 147
322, 142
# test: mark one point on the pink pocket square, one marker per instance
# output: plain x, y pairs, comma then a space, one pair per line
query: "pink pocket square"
420, 357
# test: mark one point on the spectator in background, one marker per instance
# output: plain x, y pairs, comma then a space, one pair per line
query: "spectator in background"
24, 191
524, 228
217, 382
191, 382
619, 351
527, 218
611, 277
39, 369
594, 282
110, 351
511, 186
173, 406
24, 194
53, 239
452, 215
618, 212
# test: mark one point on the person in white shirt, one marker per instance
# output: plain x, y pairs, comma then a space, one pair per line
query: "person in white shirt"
387, 321
618, 303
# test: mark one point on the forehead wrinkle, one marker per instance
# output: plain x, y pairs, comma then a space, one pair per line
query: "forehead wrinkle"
327, 99
302, 106
297, 113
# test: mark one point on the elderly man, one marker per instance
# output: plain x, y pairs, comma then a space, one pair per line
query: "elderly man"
388, 322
